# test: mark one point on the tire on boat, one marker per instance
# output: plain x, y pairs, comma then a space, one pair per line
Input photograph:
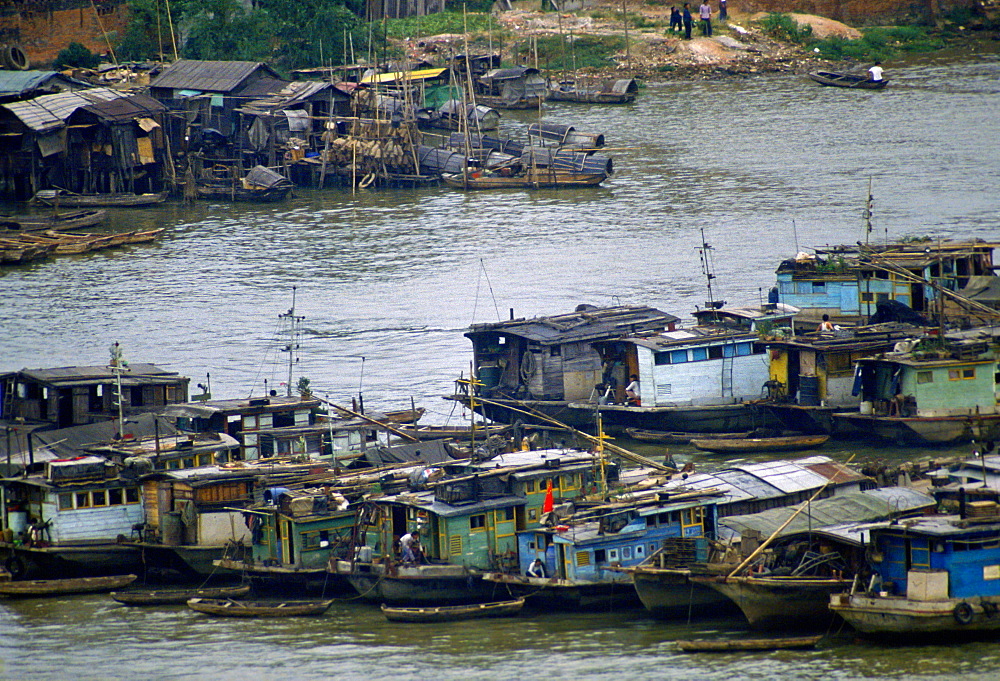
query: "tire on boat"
16, 566
963, 613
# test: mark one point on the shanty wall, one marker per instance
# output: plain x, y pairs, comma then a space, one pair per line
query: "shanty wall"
42, 28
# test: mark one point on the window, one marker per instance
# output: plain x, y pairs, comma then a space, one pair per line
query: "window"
600, 556
699, 354
925, 377
652, 547
83, 499
477, 522
678, 356
115, 496
555, 351
65, 502
867, 297
639, 551
650, 521
728, 350
532, 514
508, 514
529, 486
99, 498
131, 495
612, 554
963, 374
819, 287
661, 358
626, 552
744, 349
715, 352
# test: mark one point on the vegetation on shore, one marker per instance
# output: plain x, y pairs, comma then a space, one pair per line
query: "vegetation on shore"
295, 33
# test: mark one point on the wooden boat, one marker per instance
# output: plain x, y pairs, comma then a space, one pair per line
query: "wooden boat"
851, 80
144, 236
58, 197
39, 223
481, 432
679, 438
261, 185
404, 415
58, 587
594, 90
177, 596
786, 603
751, 644
231, 608
749, 445
451, 613
541, 178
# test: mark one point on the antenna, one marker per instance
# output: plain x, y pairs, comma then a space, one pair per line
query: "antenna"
795, 233
293, 339
705, 253
868, 211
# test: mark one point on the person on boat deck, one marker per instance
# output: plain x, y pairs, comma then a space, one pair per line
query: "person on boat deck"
875, 72
825, 325
686, 16
632, 390
675, 19
537, 569
406, 543
705, 13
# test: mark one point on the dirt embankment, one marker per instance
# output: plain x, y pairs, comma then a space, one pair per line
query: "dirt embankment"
736, 47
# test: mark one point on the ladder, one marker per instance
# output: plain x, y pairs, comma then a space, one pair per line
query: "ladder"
7, 406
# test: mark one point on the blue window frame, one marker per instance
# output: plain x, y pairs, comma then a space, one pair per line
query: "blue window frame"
678, 356
699, 354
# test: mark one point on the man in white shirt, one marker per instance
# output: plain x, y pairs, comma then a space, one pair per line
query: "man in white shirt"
632, 390
875, 72
705, 12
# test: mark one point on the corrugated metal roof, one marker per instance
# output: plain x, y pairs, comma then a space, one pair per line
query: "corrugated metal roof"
511, 73
126, 109
787, 476
19, 82
208, 76
590, 323
856, 507
49, 112
94, 373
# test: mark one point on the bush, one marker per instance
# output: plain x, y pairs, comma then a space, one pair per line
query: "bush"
75, 55
878, 44
444, 22
783, 27
585, 51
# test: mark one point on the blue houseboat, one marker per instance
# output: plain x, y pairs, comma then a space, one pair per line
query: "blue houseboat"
930, 577
582, 561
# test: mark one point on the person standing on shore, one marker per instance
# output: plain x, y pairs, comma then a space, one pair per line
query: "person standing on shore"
705, 13
723, 14
675, 19
686, 15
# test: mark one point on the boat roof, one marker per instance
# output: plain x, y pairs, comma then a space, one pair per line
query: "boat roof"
749, 312
134, 374
767, 480
583, 324
692, 335
556, 458
861, 507
855, 338
209, 76
427, 502
947, 526
250, 405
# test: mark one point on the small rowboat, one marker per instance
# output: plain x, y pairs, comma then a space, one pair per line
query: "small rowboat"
453, 612
751, 644
404, 416
39, 223
177, 596
58, 197
750, 445
850, 80
231, 608
533, 179
672, 438
58, 587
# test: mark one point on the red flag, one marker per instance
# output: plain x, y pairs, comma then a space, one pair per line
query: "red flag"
548, 503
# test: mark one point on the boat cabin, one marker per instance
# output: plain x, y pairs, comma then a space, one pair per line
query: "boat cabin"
552, 358
514, 88
817, 368
301, 529
76, 500
848, 282
937, 557
70, 396
623, 536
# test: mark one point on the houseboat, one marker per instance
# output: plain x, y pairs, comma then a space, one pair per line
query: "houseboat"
695, 379
518, 87
811, 375
931, 578
847, 283
68, 521
940, 391
467, 526
581, 561
529, 370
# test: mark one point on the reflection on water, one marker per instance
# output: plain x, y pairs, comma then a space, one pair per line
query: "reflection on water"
388, 281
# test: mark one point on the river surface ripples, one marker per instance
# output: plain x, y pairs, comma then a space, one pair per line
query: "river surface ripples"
388, 281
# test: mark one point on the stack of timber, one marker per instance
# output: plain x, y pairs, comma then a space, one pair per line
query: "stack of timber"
21, 248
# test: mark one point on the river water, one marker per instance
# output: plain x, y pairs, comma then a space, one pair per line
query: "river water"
388, 281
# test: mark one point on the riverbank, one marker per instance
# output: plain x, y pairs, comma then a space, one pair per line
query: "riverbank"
746, 44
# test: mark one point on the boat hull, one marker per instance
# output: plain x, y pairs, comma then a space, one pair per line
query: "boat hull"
565, 594
453, 613
847, 80
670, 594
916, 430
176, 596
727, 418
781, 602
810, 420
425, 585
760, 444
38, 588
287, 580
540, 179
70, 560
250, 609
897, 617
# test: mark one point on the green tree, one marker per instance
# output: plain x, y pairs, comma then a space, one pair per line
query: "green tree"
75, 54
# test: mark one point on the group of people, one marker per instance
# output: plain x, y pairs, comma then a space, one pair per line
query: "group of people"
681, 20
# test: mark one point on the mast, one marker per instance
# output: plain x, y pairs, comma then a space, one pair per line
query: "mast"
293, 339
705, 253
117, 366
